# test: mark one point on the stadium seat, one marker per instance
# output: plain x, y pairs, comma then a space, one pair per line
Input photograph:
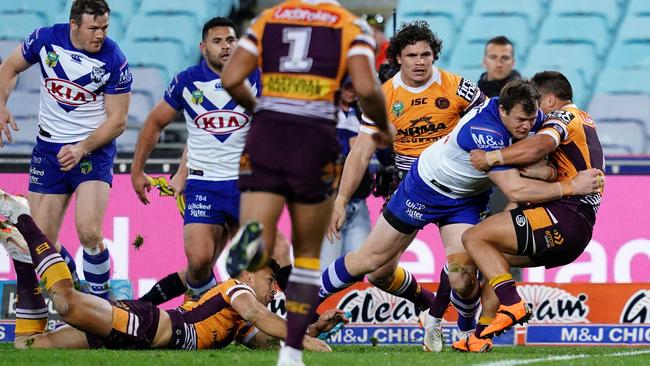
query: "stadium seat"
19, 26
622, 134
468, 55
621, 107
139, 109
530, 11
127, 140
7, 47
608, 10
166, 56
149, 82
630, 56
473, 74
638, 8
615, 81
30, 79
634, 29
199, 10
454, 10
576, 30
482, 29
24, 104
442, 26
154, 28
45, 9
564, 57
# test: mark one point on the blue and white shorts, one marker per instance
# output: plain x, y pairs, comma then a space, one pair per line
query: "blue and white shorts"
211, 202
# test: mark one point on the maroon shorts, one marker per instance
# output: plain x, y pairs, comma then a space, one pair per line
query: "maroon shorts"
293, 156
552, 234
135, 324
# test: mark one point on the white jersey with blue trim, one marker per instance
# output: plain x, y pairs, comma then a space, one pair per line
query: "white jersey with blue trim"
217, 126
445, 165
73, 82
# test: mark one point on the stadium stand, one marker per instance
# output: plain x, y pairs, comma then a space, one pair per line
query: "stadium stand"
602, 46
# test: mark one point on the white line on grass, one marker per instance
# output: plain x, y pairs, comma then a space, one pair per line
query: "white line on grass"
558, 358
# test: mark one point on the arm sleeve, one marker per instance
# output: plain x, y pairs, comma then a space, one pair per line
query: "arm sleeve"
31, 45
173, 95
469, 94
557, 124
120, 80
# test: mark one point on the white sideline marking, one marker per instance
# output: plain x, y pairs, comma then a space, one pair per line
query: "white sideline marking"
558, 358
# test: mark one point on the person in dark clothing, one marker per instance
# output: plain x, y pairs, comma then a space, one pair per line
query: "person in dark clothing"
499, 62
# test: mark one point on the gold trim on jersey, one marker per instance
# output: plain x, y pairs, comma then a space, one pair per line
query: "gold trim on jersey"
306, 87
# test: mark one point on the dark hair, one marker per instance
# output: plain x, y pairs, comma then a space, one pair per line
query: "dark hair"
522, 92
275, 267
553, 82
410, 34
501, 41
216, 22
92, 7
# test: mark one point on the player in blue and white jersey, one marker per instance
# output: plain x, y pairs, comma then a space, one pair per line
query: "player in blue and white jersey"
85, 93
217, 128
443, 188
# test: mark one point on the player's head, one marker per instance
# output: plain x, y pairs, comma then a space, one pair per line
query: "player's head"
263, 281
89, 24
518, 104
499, 58
218, 41
414, 49
555, 89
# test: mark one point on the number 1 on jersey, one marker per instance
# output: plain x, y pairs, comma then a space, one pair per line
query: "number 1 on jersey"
298, 40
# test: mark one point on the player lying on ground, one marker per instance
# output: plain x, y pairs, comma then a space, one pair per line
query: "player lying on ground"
234, 310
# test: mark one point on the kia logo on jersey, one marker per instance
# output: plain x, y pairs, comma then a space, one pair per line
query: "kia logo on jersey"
68, 93
221, 122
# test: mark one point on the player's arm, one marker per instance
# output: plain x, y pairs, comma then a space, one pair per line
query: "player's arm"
354, 169
527, 151
234, 77
247, 306
523, 190
9, 70
177, 182
159, 117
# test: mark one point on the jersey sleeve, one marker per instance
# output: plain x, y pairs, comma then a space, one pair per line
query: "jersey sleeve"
174, 93
31, 45
256, 82
120, 80
252, 39
469, 94
361, 39
237, 290
245, 332
483, 138
557, 124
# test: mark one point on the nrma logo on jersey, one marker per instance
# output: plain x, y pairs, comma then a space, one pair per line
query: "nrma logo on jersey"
68, 93
221, 122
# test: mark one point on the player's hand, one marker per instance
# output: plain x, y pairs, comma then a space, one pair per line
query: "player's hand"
141, 185
6, 120
539, 170
327, 321
315, 345
70, 155
479, 160
178, 184
338, 219
588, 181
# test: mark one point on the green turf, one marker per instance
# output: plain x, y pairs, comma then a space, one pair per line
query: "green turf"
342, 356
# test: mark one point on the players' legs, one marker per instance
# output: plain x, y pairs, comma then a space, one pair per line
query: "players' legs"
48, 211
63, 337
309, 222
465, 294
92, 199
202, 243
85, 312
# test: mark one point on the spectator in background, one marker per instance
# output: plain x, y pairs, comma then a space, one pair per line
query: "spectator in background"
499, 61
376, 21
356, 228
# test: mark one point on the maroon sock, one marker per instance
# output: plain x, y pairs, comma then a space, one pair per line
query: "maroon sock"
479, 329
31, 311
302, 300
443, 296
507, 292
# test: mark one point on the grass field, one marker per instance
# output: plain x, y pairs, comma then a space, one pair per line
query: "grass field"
342, 356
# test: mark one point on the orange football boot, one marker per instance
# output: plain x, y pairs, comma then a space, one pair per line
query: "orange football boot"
473, 344
507, 317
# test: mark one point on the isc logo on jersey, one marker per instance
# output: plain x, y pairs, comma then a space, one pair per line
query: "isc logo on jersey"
221, 122
68, 93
